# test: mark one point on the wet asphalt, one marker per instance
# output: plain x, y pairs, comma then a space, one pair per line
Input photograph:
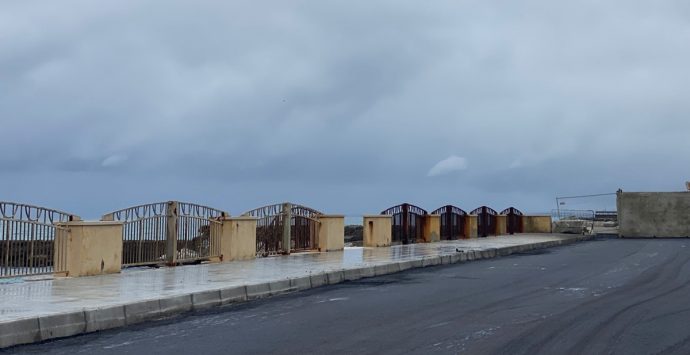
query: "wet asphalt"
613, 296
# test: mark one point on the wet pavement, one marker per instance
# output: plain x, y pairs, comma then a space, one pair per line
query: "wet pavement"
29, 299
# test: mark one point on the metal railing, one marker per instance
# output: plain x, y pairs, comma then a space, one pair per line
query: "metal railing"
168, 233
486, 221
31, 242
273, 234
572, 215
514, 223
407, 223
452, 222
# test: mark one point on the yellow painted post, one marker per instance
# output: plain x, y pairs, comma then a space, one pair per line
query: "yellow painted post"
89, 248
432, 228
501, 225
471, 226
331, 232
238, 239
377, 230
171, 234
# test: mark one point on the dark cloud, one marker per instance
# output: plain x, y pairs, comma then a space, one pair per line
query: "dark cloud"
345, 106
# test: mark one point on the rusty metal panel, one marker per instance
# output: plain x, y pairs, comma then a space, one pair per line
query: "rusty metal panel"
452, 222
407, 223
513, 220
486, 221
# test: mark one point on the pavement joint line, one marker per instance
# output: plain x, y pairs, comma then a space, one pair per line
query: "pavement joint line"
58, 325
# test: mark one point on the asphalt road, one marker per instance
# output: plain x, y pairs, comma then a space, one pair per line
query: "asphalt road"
604, 296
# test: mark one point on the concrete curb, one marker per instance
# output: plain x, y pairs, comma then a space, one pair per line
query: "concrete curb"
31, 330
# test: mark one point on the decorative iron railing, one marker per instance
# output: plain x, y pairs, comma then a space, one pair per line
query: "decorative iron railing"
168, 233
486, 221
452, 222
407, 223
31, 241
514, 223
272, 232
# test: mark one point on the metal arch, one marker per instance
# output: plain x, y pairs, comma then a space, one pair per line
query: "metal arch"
511, 210
399, 208
24, 212
484, 209
277, 209
453, 209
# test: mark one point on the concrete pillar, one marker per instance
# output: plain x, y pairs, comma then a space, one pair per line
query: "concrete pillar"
331, 233
501, 224
287, 228
171, 234
471, 226
88, 248
432, 228
238, 239
377, 230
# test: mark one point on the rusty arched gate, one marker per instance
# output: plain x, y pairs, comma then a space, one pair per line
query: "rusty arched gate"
452, 222
407, 223
272, 233
168, 233
31, 241
513, 220
486, 221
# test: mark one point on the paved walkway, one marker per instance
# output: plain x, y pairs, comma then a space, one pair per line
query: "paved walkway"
45, 309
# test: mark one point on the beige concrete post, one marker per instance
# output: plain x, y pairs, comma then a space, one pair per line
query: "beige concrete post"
89, 248
501, 225
432, 228
377, 230
171, 236
238, 239
471, 226
287, 228
331, 233
536, 224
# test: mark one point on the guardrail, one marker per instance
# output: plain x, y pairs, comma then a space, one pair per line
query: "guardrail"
31, 241
168, 233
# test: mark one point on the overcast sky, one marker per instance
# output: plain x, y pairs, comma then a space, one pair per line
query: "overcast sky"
345, 106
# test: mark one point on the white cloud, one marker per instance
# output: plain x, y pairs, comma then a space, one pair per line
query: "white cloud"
448, 165
114, 160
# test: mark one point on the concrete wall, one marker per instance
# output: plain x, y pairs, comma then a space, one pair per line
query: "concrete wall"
90, 248
654, 214
432, 228
238, 240
331, 233
536, 224
377, 230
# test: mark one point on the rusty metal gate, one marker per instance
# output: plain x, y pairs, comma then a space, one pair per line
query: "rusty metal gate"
168, 233
513, 220
452, 222
31, 241
272, 232
486, 221
407, 223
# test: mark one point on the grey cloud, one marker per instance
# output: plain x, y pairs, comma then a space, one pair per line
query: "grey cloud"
340, 104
